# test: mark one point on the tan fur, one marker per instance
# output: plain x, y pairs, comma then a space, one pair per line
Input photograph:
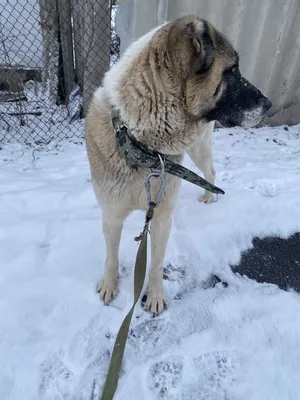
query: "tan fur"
161, 100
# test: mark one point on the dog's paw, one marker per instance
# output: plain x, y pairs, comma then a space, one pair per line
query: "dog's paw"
156, 301
207, 198
108, 289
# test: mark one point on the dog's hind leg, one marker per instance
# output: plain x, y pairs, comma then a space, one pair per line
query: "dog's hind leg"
112, 228
201, 154
160, 231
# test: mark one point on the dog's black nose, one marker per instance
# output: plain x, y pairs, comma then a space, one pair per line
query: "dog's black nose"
266, 104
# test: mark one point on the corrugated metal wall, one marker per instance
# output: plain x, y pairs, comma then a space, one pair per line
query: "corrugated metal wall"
266, 33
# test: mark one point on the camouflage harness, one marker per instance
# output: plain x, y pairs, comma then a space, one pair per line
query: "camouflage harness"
138, 155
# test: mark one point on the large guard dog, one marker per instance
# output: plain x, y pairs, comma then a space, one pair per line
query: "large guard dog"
169, 88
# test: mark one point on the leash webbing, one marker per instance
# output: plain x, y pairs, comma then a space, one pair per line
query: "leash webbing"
112, 377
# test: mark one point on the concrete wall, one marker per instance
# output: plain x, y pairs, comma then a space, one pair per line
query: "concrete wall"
266, 33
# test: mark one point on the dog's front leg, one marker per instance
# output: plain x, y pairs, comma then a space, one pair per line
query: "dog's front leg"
160, 231
112, 228
201, 155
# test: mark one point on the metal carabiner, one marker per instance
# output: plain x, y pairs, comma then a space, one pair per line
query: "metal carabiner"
148, 188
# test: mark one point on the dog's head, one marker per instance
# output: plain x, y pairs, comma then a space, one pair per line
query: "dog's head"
207, 66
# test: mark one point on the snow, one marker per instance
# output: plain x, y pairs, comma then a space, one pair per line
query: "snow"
213, 343
43, 122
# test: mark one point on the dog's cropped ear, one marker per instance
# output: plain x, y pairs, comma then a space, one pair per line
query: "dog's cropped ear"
202, 43
195, 38
197, 45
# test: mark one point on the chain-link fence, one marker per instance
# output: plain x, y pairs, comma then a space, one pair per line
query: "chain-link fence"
53, 54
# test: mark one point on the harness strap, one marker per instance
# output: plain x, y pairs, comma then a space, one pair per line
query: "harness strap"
138, 155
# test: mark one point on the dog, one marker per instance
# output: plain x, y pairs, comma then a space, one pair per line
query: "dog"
169, 87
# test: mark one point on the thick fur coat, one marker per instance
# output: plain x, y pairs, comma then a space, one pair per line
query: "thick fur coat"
169, 88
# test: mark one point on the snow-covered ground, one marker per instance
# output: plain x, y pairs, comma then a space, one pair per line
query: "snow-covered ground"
213, 343
42, 121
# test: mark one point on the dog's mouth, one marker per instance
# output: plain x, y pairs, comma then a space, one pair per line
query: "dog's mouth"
242, 104
230, 114
254, 117
246, 119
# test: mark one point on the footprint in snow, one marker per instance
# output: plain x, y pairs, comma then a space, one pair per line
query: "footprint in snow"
227, 176
91, 381
175, 276
56, 379
150, 337
269, 188
217, 374
266, 188
89, 352
174, 273
164, 379
125, 270
153, 336
89, 343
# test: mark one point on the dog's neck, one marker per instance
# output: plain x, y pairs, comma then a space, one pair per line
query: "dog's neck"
137, 155
118, 123
167, 136
153, 110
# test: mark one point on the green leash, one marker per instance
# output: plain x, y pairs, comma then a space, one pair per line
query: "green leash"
112, 377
